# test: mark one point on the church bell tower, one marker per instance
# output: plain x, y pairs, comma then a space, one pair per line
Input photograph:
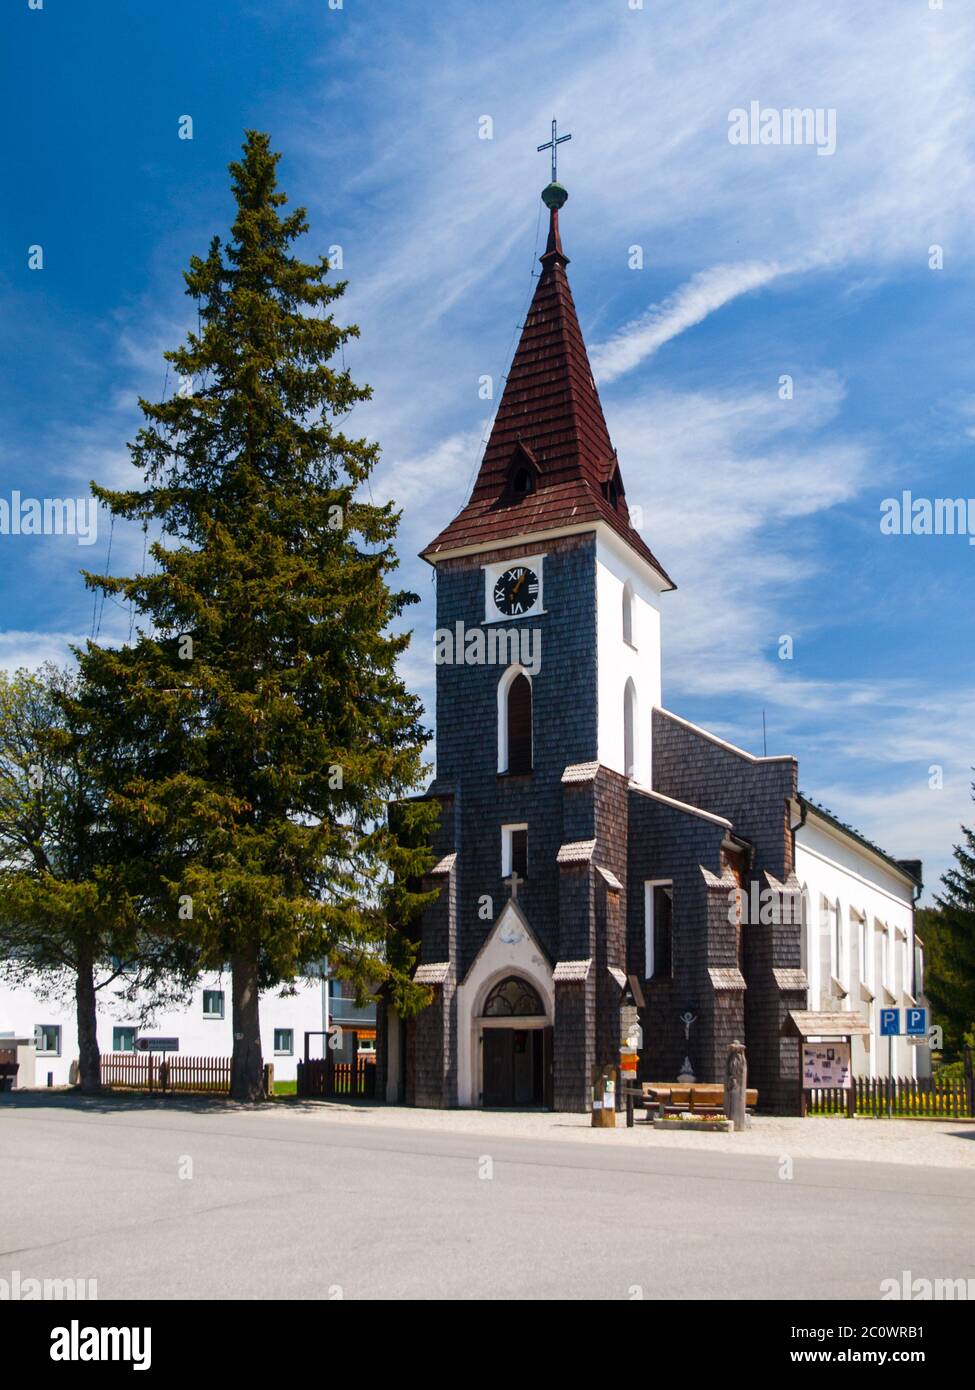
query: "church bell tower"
548, 670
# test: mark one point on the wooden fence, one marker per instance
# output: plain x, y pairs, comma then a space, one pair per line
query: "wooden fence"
325, 1078
142, 1071
904, 1097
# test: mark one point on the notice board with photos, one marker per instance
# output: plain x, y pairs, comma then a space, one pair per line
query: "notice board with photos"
826, 1064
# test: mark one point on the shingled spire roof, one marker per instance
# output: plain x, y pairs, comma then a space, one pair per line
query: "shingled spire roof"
550, 463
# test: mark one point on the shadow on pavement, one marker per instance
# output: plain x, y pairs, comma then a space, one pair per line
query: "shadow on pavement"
112, 1102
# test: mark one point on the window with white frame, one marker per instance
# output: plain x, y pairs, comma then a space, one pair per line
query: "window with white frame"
885, 959
628, 614
47, 1039
858, 922
123, 1039
515, 722
213, 1003
630, 738
514, 850
901, 977
832, 917
658, 899
284, 1042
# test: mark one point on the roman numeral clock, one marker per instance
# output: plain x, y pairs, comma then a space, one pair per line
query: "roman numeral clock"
514, 589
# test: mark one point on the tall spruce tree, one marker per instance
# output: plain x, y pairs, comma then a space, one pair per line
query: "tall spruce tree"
269, 723
949, 941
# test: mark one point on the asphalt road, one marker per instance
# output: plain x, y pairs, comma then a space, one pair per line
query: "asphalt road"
299, 1206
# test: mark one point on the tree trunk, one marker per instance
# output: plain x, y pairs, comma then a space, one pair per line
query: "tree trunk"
89, 1058
247, 1064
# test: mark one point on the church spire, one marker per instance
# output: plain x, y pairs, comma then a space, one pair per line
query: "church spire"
554, 197
549, 464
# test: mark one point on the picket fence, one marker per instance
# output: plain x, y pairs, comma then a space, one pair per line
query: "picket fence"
143, 1071
902, 1096
330, 1079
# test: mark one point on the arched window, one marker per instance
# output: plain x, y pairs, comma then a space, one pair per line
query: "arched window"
628, 613
513, 998
515, 722
629, 729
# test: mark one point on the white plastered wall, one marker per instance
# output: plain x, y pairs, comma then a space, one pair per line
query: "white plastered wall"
619, 661
21, 1010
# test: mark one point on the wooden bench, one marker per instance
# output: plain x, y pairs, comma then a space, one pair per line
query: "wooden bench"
696, 1099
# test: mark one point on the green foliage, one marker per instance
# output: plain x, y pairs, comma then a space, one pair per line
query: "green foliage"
70, 875
948, 933
257, 726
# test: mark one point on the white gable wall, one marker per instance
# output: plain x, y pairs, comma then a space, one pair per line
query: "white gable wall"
831, 866
617, 661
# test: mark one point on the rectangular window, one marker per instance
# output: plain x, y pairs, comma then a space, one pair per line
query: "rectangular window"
123, 1039
658, 927
832, 920
514, 850
858, 924
213, 1003
284, 1042
885, 979
47, 1037
342, 1008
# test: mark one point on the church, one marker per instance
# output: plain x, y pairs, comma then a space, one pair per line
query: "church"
596, 852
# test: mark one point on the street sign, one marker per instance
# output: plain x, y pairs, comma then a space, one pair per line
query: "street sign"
890, 1023
917, 1022
157, 1044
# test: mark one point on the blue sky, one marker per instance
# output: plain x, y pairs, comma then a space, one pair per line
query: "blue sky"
758, 261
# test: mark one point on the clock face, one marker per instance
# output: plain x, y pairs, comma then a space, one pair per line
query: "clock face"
516, 591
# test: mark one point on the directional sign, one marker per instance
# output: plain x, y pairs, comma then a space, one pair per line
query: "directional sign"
890, 1023
917, 1022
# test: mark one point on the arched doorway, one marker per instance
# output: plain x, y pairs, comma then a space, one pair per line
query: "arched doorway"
516, 1045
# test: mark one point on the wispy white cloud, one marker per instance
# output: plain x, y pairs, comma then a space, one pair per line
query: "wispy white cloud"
705, 292
33, 649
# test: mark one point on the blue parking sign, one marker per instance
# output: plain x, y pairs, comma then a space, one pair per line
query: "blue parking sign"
890, 1023
917, 1022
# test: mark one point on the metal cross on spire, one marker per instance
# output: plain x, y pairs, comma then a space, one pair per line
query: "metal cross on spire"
553, 145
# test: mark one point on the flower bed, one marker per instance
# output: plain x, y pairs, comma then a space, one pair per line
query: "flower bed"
711, 1123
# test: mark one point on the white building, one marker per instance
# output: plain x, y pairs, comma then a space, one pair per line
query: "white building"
202, 1026
859, 950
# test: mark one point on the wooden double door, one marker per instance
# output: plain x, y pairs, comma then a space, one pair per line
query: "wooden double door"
517, 1067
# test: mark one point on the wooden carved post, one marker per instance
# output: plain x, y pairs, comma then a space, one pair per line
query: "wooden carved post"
736, 1084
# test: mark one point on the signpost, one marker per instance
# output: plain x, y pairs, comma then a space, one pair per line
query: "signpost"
825, 1052
157, 1044
890, 1028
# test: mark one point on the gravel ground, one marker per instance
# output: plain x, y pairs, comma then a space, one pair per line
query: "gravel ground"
924, 1143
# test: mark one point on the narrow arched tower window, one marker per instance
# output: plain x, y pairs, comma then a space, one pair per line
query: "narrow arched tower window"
520, 725
629, 730
628, 614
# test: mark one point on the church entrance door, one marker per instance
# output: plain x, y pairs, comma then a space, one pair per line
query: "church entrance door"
513, 1067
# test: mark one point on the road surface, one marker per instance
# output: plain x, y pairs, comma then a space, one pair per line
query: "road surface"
189, 1200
